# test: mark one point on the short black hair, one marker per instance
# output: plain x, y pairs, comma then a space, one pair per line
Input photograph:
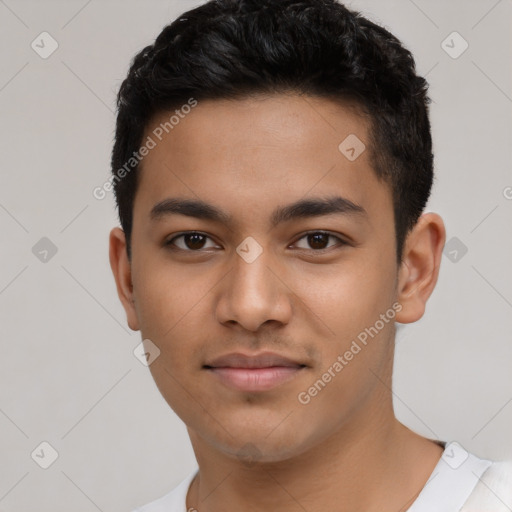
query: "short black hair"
232, 49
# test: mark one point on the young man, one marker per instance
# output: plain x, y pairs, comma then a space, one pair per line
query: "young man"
271, 165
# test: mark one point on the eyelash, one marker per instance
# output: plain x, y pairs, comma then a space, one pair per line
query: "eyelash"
341, 242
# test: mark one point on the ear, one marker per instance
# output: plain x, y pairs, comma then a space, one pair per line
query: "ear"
121, 269
420, 265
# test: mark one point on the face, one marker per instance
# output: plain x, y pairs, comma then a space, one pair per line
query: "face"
286, 245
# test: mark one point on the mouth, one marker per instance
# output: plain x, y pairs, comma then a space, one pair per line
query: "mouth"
261, 372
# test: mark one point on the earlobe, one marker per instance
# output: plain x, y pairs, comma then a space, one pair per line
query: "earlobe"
420, 266
121, 269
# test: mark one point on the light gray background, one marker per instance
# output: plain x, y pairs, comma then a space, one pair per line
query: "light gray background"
68, 373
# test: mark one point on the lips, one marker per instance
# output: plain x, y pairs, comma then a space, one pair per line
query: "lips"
263, 360
260, 372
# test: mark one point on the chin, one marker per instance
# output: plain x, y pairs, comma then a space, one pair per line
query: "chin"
253, 446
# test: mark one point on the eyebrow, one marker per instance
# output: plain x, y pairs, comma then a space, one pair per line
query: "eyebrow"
304, 208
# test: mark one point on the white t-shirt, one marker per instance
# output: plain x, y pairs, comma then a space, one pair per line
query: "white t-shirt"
460, 482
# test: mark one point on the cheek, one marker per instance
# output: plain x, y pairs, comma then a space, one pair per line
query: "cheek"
166, 296
354, 338
346, 298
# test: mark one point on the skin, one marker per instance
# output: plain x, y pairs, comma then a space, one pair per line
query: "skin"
344, 450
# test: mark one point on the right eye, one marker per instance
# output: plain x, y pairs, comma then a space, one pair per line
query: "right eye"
192, 241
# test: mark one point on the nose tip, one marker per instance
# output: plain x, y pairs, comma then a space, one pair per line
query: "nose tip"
252, 295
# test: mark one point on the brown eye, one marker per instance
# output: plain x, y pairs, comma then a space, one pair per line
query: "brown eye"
318, 240
190, 242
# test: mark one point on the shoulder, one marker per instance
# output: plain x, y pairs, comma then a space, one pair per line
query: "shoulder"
174, 501
493, 492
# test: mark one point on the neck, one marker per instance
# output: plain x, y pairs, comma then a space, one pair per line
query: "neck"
367, 465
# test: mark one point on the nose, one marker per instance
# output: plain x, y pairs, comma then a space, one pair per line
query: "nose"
253, 294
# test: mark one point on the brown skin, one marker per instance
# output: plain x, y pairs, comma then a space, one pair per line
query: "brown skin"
345, 450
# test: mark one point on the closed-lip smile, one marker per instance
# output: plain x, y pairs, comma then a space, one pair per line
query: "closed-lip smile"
253, 373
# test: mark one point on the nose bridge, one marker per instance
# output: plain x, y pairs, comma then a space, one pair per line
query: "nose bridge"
252, 275
252, 293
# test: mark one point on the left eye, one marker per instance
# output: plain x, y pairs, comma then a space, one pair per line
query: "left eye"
318, 239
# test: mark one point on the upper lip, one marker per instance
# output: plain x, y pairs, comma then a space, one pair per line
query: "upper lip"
261, 360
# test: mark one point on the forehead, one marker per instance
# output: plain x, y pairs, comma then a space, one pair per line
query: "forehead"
269, 121
256, 151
